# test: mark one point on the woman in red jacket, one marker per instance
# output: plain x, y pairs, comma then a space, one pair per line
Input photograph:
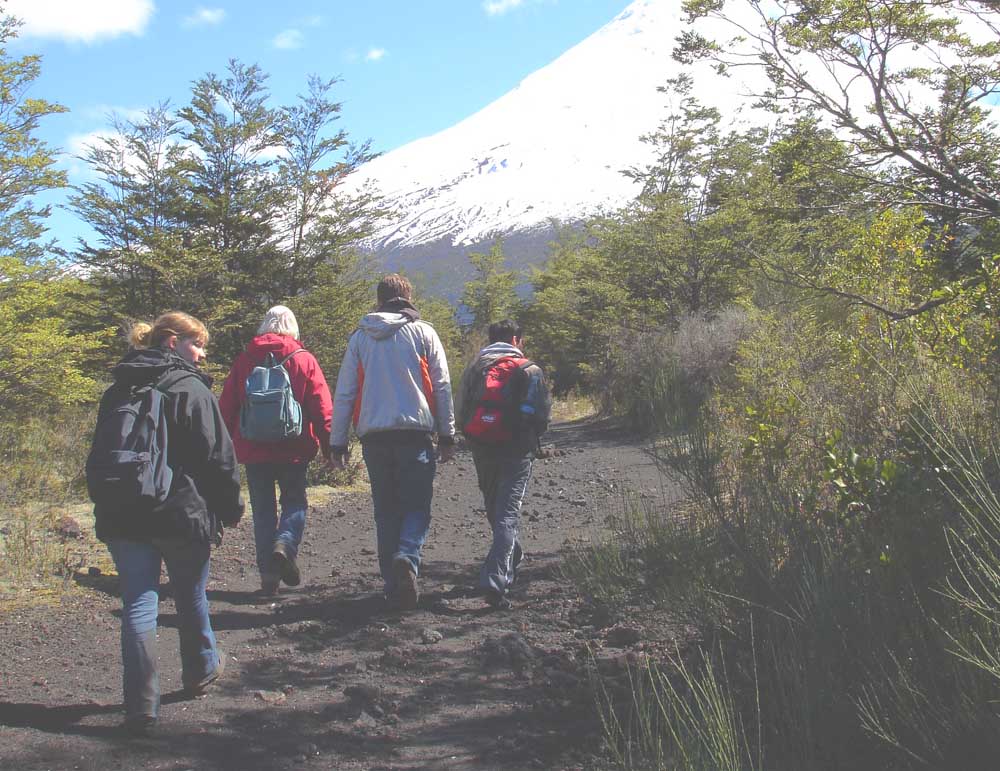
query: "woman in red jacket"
283, 462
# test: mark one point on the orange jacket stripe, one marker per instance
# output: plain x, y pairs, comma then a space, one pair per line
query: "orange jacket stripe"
361, 390
428, 385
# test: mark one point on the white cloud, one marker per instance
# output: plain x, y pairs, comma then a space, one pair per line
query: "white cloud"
76, 147
203, 17
288, 39
375, 54
103, 112
499, 7
78, 21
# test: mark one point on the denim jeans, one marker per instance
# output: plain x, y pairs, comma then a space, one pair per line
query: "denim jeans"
138, 567
503, 480
401, 471
268, 529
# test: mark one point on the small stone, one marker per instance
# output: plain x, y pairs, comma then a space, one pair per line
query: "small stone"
366, 721
431, 636
270, 697
68, 527
341, 513
364, 693
288, 690
93, 571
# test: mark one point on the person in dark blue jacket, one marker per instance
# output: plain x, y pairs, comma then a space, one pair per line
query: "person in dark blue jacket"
204, 496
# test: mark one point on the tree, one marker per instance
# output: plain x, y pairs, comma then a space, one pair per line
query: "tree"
236, 204
907, 83
577, 306
325, 221
674, 245
490, 296
44, 357
26, 162
144, 259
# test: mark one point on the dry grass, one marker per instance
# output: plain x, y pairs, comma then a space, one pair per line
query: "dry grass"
573, 406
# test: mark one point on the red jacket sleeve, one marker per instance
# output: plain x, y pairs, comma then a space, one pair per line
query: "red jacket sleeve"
316, 400
232, 396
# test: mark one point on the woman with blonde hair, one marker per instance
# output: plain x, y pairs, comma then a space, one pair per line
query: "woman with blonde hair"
282, 462
177, 526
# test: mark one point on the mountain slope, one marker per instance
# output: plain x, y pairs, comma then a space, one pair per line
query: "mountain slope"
553, 147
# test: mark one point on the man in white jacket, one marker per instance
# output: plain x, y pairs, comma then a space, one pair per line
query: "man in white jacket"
394, 381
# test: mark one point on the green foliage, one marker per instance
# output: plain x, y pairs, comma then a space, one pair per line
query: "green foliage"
226, 208
330, 310
490, 296
26, 162
43, 358
579, 303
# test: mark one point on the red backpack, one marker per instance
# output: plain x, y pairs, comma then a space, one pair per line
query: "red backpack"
497, 414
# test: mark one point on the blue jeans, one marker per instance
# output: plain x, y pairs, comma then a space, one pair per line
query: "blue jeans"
503, 480
268, 529
139, 576
401, 471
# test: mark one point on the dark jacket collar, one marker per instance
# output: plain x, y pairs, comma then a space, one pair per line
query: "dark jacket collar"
142, 366
399, 305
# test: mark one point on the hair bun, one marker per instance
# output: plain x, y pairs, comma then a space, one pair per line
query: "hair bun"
140, 335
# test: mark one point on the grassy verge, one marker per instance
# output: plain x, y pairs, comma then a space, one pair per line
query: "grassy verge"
835, 560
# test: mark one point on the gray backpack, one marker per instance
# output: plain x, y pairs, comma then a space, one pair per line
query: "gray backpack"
269, 412
127, 465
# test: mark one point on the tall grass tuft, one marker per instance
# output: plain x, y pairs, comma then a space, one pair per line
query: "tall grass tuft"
43, 466
681, 718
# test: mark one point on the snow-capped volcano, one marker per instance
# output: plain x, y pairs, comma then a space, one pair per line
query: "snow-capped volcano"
552, 148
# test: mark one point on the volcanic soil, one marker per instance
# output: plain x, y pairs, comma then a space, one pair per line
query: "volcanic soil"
325, 675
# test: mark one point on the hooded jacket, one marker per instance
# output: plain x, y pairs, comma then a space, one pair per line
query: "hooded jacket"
535, 407
394, 377
309, 388
206, 480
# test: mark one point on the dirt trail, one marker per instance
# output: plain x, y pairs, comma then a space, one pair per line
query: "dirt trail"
325, 676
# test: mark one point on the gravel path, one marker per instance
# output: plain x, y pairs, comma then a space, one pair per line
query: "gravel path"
325, 676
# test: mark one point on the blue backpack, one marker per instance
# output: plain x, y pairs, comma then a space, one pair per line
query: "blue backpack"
270, 413
127, 465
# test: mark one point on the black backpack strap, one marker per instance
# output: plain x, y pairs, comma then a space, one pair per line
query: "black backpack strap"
170, 378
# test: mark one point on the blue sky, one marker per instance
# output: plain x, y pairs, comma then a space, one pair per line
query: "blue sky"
408, 69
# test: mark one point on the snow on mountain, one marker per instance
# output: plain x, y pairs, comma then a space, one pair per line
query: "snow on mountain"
552, 148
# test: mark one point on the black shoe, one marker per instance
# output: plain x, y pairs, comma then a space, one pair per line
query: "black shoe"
497, 600
285, 563
139, 726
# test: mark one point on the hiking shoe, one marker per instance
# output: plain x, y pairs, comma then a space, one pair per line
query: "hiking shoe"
139, 726
498, 600
406, 593
285, 563
269, 584
198, 688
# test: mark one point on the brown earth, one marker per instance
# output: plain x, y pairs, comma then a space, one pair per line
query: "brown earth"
326, 676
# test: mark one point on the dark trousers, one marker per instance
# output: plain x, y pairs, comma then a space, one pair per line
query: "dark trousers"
503, 480
401, 470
